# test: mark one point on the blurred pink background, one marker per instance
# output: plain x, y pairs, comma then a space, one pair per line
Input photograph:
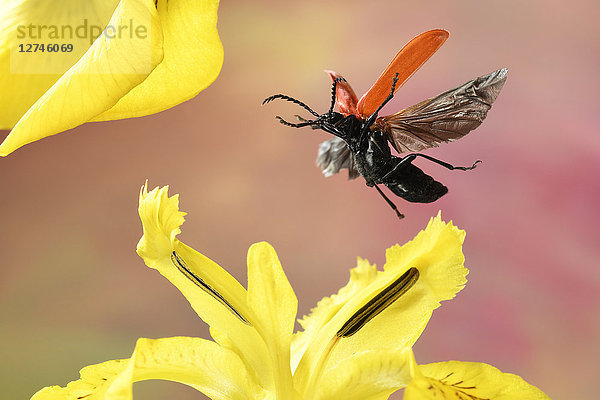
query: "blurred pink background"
73, 292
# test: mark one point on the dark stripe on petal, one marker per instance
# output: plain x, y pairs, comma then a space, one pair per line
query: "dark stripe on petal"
380, 302
178, 262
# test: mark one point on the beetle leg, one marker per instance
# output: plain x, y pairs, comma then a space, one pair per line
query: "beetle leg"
371, 120
373, 116
333, 90
390, 203
410, 158
442, 163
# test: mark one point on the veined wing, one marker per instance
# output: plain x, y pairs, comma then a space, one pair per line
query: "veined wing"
443, 118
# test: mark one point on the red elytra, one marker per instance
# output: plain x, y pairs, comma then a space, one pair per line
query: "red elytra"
408, 60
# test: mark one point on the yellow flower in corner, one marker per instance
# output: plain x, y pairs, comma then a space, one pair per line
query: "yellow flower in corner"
355, 345
467, 381
64, 64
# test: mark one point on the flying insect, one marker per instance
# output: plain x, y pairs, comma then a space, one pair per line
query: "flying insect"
362, 139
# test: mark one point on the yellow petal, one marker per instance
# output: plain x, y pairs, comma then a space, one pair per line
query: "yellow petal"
213, 293
24, 77
469, 380
360, 277
182, 265
201, 364
118, 77
108, 70
368, 375
193, 56
436, 253
272, 299
161, 221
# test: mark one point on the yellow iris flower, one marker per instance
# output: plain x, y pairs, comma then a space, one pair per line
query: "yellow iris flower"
149, 56
355, 345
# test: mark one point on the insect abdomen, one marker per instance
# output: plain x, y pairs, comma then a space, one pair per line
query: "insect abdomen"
415, 186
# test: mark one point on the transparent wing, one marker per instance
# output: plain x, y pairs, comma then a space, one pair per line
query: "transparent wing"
335, 155
443, 118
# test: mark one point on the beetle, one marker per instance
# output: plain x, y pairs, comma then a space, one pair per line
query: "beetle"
362, 139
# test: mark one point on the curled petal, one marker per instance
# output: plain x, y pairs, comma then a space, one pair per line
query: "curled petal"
161, 221
119, 76
200, 279
107, 71
193, 56
215, 295
25, 76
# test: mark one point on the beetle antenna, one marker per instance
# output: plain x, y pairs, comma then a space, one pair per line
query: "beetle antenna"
291, 99
390, 203
301, 118
300, 125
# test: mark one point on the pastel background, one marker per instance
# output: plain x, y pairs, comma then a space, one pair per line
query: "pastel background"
73, 292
